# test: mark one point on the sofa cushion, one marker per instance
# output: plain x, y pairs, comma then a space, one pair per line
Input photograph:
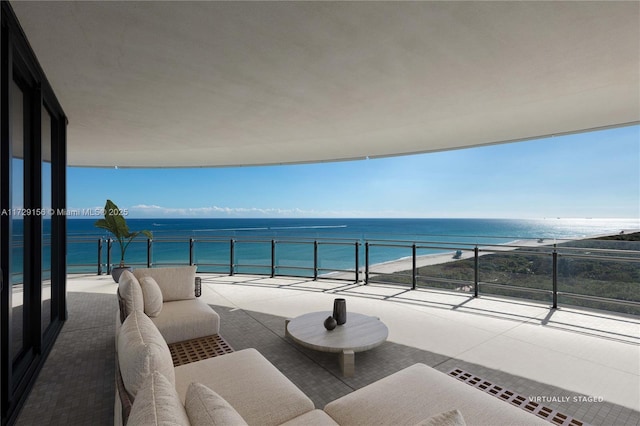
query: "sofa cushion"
205, 407
448, 418
131, 292
418, 392
311, 418
257, 390
141, 350
157, 403
186, 319
152, 296
177, 283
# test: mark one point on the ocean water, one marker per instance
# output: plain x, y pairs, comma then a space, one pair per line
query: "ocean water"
337, 237
407, 229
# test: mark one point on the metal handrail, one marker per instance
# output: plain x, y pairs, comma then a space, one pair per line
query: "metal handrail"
515, 287
598, 298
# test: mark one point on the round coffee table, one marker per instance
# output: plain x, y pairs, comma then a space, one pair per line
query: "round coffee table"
359, 333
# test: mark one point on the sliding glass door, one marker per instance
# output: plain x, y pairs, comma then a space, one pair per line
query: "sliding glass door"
32, 235
20, 345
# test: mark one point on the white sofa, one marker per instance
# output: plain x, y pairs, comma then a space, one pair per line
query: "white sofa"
168, 297
419, 392
244, 382
245, 388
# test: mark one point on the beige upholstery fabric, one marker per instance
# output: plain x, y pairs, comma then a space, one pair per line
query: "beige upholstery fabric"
141, 350
419, 392
206, 408
131, 292
175, 283
117, 329
260, 393
186, 319
448, 418
157, 403
117, 410
152, 296
311, 418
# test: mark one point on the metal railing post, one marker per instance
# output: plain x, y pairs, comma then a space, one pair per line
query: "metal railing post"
191, 244
357, 261
273, 258
366, 262
315, 260
414, 269
109, 243
476, 257
555, 276
232, 245
149, 252
99, 256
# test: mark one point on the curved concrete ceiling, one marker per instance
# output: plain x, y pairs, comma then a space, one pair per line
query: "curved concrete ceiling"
185, 84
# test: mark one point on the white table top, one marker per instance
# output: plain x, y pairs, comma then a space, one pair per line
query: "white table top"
359, 333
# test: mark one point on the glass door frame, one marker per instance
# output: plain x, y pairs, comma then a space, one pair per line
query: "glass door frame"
19, 63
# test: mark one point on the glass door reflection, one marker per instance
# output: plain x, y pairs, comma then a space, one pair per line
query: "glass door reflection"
18, 297
45, 217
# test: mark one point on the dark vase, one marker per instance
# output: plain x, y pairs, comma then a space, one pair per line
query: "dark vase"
330, 323
340, 311
117, 271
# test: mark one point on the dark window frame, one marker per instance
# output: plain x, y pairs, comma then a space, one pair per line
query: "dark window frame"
19, 63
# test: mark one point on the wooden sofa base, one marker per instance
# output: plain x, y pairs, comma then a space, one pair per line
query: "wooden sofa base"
197, 349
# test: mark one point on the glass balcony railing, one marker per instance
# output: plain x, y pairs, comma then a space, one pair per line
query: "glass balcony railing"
600, 274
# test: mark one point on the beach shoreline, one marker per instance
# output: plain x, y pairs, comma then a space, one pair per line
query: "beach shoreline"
406, 263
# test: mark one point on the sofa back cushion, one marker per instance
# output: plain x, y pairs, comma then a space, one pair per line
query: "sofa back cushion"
205, 407
176, 283
131, 293
152, 296
142, 350
157, 403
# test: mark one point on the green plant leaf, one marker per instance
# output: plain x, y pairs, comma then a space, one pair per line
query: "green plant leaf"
115, 223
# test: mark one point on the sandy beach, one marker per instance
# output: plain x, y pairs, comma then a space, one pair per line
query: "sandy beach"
406, 263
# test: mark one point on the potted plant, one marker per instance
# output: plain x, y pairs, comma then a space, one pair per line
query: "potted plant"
115, 223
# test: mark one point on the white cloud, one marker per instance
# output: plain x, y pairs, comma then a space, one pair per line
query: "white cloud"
156, 211
153, 211
142, 210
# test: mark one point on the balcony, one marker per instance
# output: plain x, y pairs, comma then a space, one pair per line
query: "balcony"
580, 363
548, 85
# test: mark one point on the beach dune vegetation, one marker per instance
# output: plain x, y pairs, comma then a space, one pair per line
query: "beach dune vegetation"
499, 273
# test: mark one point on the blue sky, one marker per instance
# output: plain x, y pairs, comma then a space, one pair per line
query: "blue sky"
595, 174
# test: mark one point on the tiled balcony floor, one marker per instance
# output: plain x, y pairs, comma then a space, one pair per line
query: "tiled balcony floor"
561, 355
